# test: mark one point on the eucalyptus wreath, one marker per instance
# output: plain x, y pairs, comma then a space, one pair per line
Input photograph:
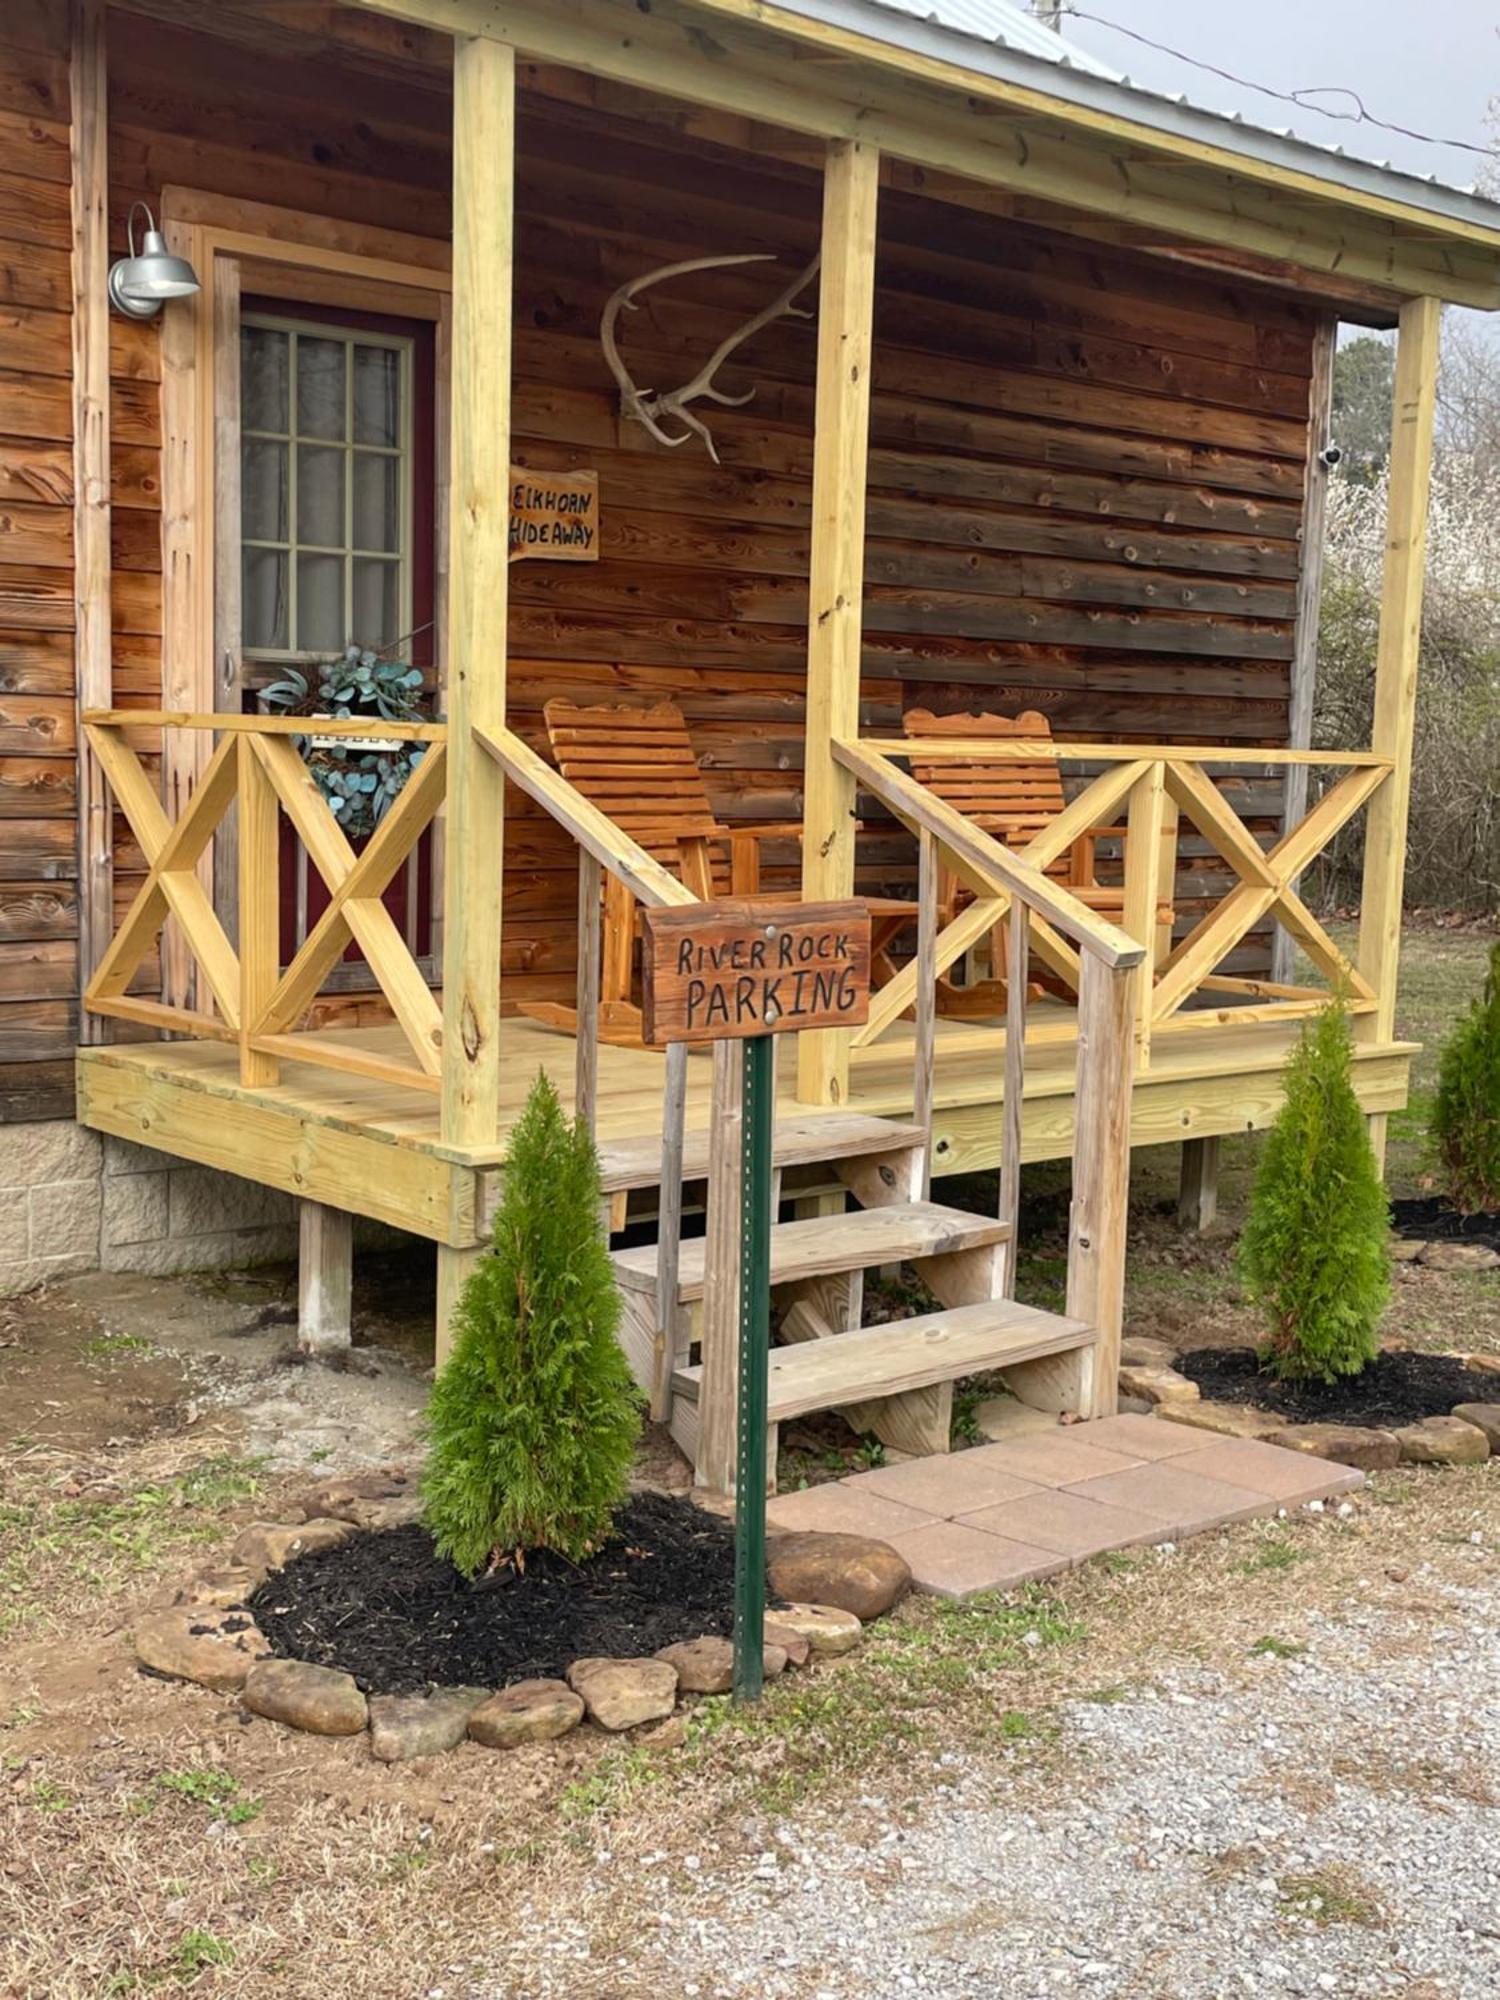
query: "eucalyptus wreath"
359, 783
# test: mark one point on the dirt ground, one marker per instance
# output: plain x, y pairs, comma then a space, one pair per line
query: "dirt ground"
154, 1839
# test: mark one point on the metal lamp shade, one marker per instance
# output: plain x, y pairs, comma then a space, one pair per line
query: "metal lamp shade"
141, 282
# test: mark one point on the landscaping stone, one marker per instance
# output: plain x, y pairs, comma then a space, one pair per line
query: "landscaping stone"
215, 1648
825, 1628
1482, 1364
530, 1712
320, 1700
1158, 1384
670, 1734
706, 1666
1460, 1257
1362, 1446
366, 1499
1443, 1441
268, 1545
621, 1694
218, 1589
1001, 1417
1227, 1419
796, 1645
421, 1725
1484, 1417
1140, 1350
1406, 1249
853, 1572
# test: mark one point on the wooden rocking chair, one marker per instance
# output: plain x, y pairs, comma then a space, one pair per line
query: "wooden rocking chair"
638, 765
1013, 802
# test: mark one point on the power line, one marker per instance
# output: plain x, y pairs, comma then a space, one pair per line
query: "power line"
1358, 116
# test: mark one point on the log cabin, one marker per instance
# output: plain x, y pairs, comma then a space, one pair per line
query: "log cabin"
1004, 392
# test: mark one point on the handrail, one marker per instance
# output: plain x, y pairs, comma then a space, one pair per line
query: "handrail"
594, 830
235, 724
986, 857
1061, 750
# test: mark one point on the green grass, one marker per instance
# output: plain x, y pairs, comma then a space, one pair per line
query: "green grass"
115, 1346
1327, 1896
1270, 1647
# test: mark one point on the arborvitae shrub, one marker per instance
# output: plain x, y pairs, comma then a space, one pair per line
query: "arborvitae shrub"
1465, 1127
533, 1423
1313, 1256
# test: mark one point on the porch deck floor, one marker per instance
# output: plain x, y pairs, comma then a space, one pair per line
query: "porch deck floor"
1010, 1513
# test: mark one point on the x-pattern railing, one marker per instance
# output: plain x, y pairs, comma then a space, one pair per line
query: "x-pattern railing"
1152, 790
258, 1003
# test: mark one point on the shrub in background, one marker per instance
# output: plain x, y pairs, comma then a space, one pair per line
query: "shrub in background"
1313, 1256
1465, 1124
533, 1423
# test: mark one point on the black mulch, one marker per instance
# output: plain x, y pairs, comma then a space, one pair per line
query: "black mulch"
1430, 1218
1394, 1389
387, 1610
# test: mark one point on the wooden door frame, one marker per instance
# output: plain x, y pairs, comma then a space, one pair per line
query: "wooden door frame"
240, 246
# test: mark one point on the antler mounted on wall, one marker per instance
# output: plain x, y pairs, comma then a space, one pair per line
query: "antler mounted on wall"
650, 406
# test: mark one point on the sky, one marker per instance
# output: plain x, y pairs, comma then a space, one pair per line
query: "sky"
1432, 67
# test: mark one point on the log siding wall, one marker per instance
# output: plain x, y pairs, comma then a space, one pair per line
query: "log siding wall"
1086, 470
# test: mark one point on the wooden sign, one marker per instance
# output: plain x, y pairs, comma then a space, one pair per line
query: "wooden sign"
712, 971
554, 514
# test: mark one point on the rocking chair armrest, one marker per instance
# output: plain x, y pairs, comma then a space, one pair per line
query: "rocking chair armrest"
781, 829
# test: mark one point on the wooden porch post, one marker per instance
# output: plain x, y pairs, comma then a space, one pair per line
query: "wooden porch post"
1396, 662
483, 178
836, 584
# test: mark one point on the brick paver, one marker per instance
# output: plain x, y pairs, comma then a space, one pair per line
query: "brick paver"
1008, 1513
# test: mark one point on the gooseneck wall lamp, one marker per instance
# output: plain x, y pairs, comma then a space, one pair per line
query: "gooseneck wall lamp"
141, 282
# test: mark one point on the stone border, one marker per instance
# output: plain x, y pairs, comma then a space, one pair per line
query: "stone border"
1468, 1435
208, 1635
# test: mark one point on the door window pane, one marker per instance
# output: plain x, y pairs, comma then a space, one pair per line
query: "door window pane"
377, 386
320, 604
264, 375
263, 608
263, 491
320, 498
377, 501
377, 610
320, 387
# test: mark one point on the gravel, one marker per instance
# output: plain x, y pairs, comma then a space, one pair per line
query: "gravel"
1177, 1844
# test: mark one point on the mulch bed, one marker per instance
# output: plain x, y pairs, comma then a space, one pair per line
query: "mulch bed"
1395, 1389
1430, 1218
387, 1610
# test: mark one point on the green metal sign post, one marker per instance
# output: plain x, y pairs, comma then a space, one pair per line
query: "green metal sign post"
754, 1365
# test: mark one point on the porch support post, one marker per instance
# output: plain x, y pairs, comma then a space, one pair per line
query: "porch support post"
1396, 661
836, 585
1198, 1184
483, 182
325, 1277
89, 147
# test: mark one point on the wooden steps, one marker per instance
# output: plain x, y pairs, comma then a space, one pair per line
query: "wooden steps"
908, 1354
809, 1138
827, 1244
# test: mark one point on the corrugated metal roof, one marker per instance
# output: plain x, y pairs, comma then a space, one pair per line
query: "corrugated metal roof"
1001, 38
1003, 23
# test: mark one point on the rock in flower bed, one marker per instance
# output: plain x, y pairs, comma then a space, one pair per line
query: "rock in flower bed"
370, 1631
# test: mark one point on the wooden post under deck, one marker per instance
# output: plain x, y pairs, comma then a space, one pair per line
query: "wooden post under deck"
1396, 662
836, 583
483, 227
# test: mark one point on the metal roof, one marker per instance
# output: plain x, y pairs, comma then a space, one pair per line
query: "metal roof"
1002, 39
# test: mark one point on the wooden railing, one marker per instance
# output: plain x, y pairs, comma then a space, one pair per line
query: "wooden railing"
257, 1003
604, 846
1154, 789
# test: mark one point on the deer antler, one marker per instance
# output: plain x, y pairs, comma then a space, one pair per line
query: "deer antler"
649, 406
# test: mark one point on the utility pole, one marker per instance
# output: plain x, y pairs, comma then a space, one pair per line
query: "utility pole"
1049, 13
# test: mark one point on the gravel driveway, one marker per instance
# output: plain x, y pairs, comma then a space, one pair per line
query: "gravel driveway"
1324, 1823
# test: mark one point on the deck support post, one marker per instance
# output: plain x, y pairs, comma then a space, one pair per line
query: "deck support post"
325, 1277
1396, 661
484, 86
836, 581
718, 1392
1198, 1184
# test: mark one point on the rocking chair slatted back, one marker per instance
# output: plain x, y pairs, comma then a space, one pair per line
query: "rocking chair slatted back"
1014, 802
637, 765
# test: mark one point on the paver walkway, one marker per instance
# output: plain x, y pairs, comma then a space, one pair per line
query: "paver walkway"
1008, 1513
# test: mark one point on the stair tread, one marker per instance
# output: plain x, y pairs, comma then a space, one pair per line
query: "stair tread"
889, 1359
800, 1139
828, 1243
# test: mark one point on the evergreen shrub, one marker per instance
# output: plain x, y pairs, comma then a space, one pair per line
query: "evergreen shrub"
1465, 1124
